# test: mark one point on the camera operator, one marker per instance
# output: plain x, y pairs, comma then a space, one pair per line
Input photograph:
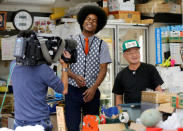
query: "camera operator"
30, 85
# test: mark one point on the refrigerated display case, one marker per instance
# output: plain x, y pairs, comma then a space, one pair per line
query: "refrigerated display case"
114, 35
108, 35
129, 32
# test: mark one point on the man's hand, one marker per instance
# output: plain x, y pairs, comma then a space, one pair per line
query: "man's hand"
66, 55
89, 94
80, 81
158, 88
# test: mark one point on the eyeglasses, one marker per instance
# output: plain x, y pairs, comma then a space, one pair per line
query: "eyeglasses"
132, 52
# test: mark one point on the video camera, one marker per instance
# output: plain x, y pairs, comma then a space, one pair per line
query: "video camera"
31, 49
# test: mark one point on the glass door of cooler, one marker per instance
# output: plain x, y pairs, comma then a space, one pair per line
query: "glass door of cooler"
127, 32
108, 34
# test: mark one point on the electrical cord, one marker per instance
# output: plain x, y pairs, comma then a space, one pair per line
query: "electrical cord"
9, 78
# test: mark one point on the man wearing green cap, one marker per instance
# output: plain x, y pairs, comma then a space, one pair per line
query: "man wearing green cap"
136, 77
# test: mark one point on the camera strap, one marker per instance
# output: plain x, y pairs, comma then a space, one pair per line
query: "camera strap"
60, 51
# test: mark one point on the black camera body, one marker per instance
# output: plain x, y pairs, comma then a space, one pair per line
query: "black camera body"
31, 49
72, 51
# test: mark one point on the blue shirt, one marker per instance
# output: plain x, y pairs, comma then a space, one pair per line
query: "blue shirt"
30, 86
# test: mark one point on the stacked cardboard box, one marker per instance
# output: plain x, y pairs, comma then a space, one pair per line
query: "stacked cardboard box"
158, 100
147, 21
128, 16
131, 17
121, 5
156, 97
158, 6
177, 101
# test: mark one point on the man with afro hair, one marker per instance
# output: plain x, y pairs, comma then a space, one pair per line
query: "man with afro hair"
86, 75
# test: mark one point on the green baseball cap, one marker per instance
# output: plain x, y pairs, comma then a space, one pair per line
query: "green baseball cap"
129, 44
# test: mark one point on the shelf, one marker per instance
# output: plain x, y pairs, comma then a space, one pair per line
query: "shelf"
8, 33
121, 22
109, 22
70, 20
106, 98
166, 18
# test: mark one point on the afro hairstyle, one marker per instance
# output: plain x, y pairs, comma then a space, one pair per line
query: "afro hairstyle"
91, 9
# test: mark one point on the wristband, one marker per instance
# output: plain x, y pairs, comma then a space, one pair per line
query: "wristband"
64, 69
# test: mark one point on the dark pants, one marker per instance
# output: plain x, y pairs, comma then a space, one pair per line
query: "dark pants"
74, 103
46, 123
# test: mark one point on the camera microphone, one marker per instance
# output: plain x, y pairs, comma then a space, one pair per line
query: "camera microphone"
70, 44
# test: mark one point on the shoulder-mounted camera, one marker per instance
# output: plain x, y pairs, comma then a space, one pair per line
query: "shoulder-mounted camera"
31, 49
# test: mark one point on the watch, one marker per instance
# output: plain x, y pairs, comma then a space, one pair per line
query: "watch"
64, 69
22, 20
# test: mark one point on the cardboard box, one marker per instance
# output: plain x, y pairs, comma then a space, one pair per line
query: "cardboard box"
147, 21
4, 120
53, 119
61, 119
137, 127
115, 5
177, 102
176, 35
175, 39
128, 16
166, 107
156, 97
111, 127
152, 8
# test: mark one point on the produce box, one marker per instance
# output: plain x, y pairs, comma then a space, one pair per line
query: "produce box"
156, 97
111, 127
127, 16
166, 107
177, 102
